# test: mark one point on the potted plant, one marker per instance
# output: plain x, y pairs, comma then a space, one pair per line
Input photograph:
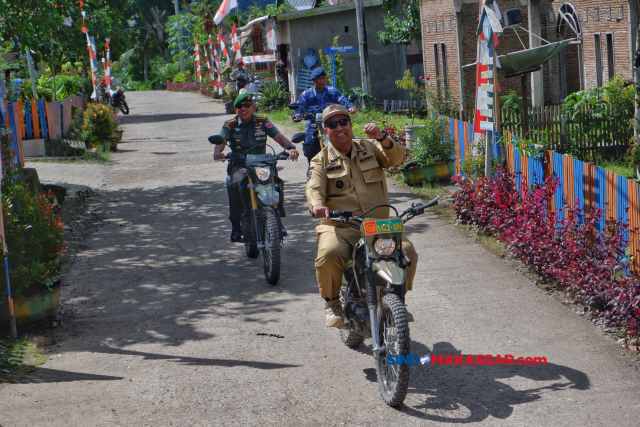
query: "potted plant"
34, 234
98, 127
432, 152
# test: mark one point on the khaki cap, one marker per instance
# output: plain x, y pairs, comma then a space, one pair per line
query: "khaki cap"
334, 110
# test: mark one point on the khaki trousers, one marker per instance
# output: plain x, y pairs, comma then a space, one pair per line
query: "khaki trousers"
335, 247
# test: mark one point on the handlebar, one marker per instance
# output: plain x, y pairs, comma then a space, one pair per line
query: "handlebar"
413, 211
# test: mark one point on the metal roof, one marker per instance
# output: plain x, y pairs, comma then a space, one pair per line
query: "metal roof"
303, 4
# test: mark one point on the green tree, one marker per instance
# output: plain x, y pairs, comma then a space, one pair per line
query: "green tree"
403, 22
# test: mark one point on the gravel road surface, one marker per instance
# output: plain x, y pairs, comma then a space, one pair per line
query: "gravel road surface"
164, 312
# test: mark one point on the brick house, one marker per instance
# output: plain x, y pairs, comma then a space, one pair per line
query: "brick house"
604, 30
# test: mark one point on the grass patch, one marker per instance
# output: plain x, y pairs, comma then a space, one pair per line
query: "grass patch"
18, 358
283, 117
618, 166
427, 191
101, 155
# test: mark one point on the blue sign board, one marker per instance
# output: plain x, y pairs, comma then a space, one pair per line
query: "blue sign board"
338, 49
333, 50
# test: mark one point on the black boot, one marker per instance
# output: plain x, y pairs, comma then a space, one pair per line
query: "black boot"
236, 233
284, 230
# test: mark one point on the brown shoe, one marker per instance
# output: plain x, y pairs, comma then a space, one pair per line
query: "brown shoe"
333, 309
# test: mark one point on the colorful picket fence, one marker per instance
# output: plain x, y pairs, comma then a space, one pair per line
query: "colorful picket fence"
583, 185
38, 119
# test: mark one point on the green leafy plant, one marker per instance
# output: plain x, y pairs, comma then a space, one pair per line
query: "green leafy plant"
473, 164
273, 96
433, 142
325, 59
402, 24
633, 154
440, 101
98, 123
409, 84
33, 233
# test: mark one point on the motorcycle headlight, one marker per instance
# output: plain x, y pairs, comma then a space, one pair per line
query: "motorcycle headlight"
385, 246
263, 173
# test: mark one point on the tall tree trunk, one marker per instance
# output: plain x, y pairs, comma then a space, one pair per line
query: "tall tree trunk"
146, 74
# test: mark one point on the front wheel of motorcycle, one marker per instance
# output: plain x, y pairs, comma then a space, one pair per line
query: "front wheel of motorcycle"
393, 380
124, 107
271, 251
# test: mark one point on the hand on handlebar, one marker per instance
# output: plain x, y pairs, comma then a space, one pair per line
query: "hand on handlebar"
320, 212
219, 156
296, 117
293, 154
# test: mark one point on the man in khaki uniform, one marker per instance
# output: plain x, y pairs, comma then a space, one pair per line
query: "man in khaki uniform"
347, 175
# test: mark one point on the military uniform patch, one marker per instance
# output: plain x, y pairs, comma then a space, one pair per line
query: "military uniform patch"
364, 159
269, 125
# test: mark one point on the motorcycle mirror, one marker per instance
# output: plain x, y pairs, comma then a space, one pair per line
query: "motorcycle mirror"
353, 97
216, 140
298, 137
293, 106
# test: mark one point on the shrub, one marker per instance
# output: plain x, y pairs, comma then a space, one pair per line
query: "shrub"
98, 122
571, 251
273, 96
433, 142
33, 233
473, 163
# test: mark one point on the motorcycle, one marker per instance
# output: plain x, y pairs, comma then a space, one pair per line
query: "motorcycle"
253, 84
117, 100
320, 140
372, 295
261, 224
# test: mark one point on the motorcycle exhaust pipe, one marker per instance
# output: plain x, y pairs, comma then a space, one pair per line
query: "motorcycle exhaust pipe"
371, 303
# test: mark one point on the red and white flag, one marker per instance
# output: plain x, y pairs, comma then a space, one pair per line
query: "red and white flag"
223, 48
224, 10
107, 74
197, 55
235, 43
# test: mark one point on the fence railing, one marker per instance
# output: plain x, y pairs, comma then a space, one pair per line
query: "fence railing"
588, 136
36, 119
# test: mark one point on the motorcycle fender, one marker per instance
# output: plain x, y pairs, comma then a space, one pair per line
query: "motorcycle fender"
267, 194
390, 272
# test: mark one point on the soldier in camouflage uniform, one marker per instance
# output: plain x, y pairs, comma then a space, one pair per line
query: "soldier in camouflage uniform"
244, 131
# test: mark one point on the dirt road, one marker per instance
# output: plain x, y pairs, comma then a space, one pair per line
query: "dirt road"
166, 311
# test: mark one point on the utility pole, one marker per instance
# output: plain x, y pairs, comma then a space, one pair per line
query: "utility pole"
175, 3
362, 47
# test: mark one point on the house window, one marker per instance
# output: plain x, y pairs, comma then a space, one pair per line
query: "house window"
552, 17
445, 76
449, 25
437, 61
620, 17
596, 13
611, 68
442, 25
435, 26
346, 29
585, 15
608, 12
598, 45
427, 27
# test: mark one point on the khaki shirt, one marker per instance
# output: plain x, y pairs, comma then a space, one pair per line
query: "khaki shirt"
353, 184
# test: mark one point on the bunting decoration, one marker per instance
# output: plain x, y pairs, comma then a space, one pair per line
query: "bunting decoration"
223, 48
197, 55
210, 60
234, 42
220, 91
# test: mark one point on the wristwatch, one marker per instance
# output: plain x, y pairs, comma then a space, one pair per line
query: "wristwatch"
384, 136
290, 147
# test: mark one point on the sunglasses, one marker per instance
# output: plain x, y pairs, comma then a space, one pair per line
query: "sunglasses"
334, 124
244, 105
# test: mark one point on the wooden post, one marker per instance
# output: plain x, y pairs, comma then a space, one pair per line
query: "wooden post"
525, 107
363, 50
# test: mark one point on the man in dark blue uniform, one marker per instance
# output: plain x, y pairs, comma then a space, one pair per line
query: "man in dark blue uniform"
310, 101
244, 131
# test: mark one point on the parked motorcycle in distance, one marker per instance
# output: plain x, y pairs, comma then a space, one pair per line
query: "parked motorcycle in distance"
117, 100
253, 85
261, 223
372, 295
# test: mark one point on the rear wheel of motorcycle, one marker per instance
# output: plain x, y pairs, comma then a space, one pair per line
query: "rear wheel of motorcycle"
124, 107
351, 338
393, 380
271, 251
